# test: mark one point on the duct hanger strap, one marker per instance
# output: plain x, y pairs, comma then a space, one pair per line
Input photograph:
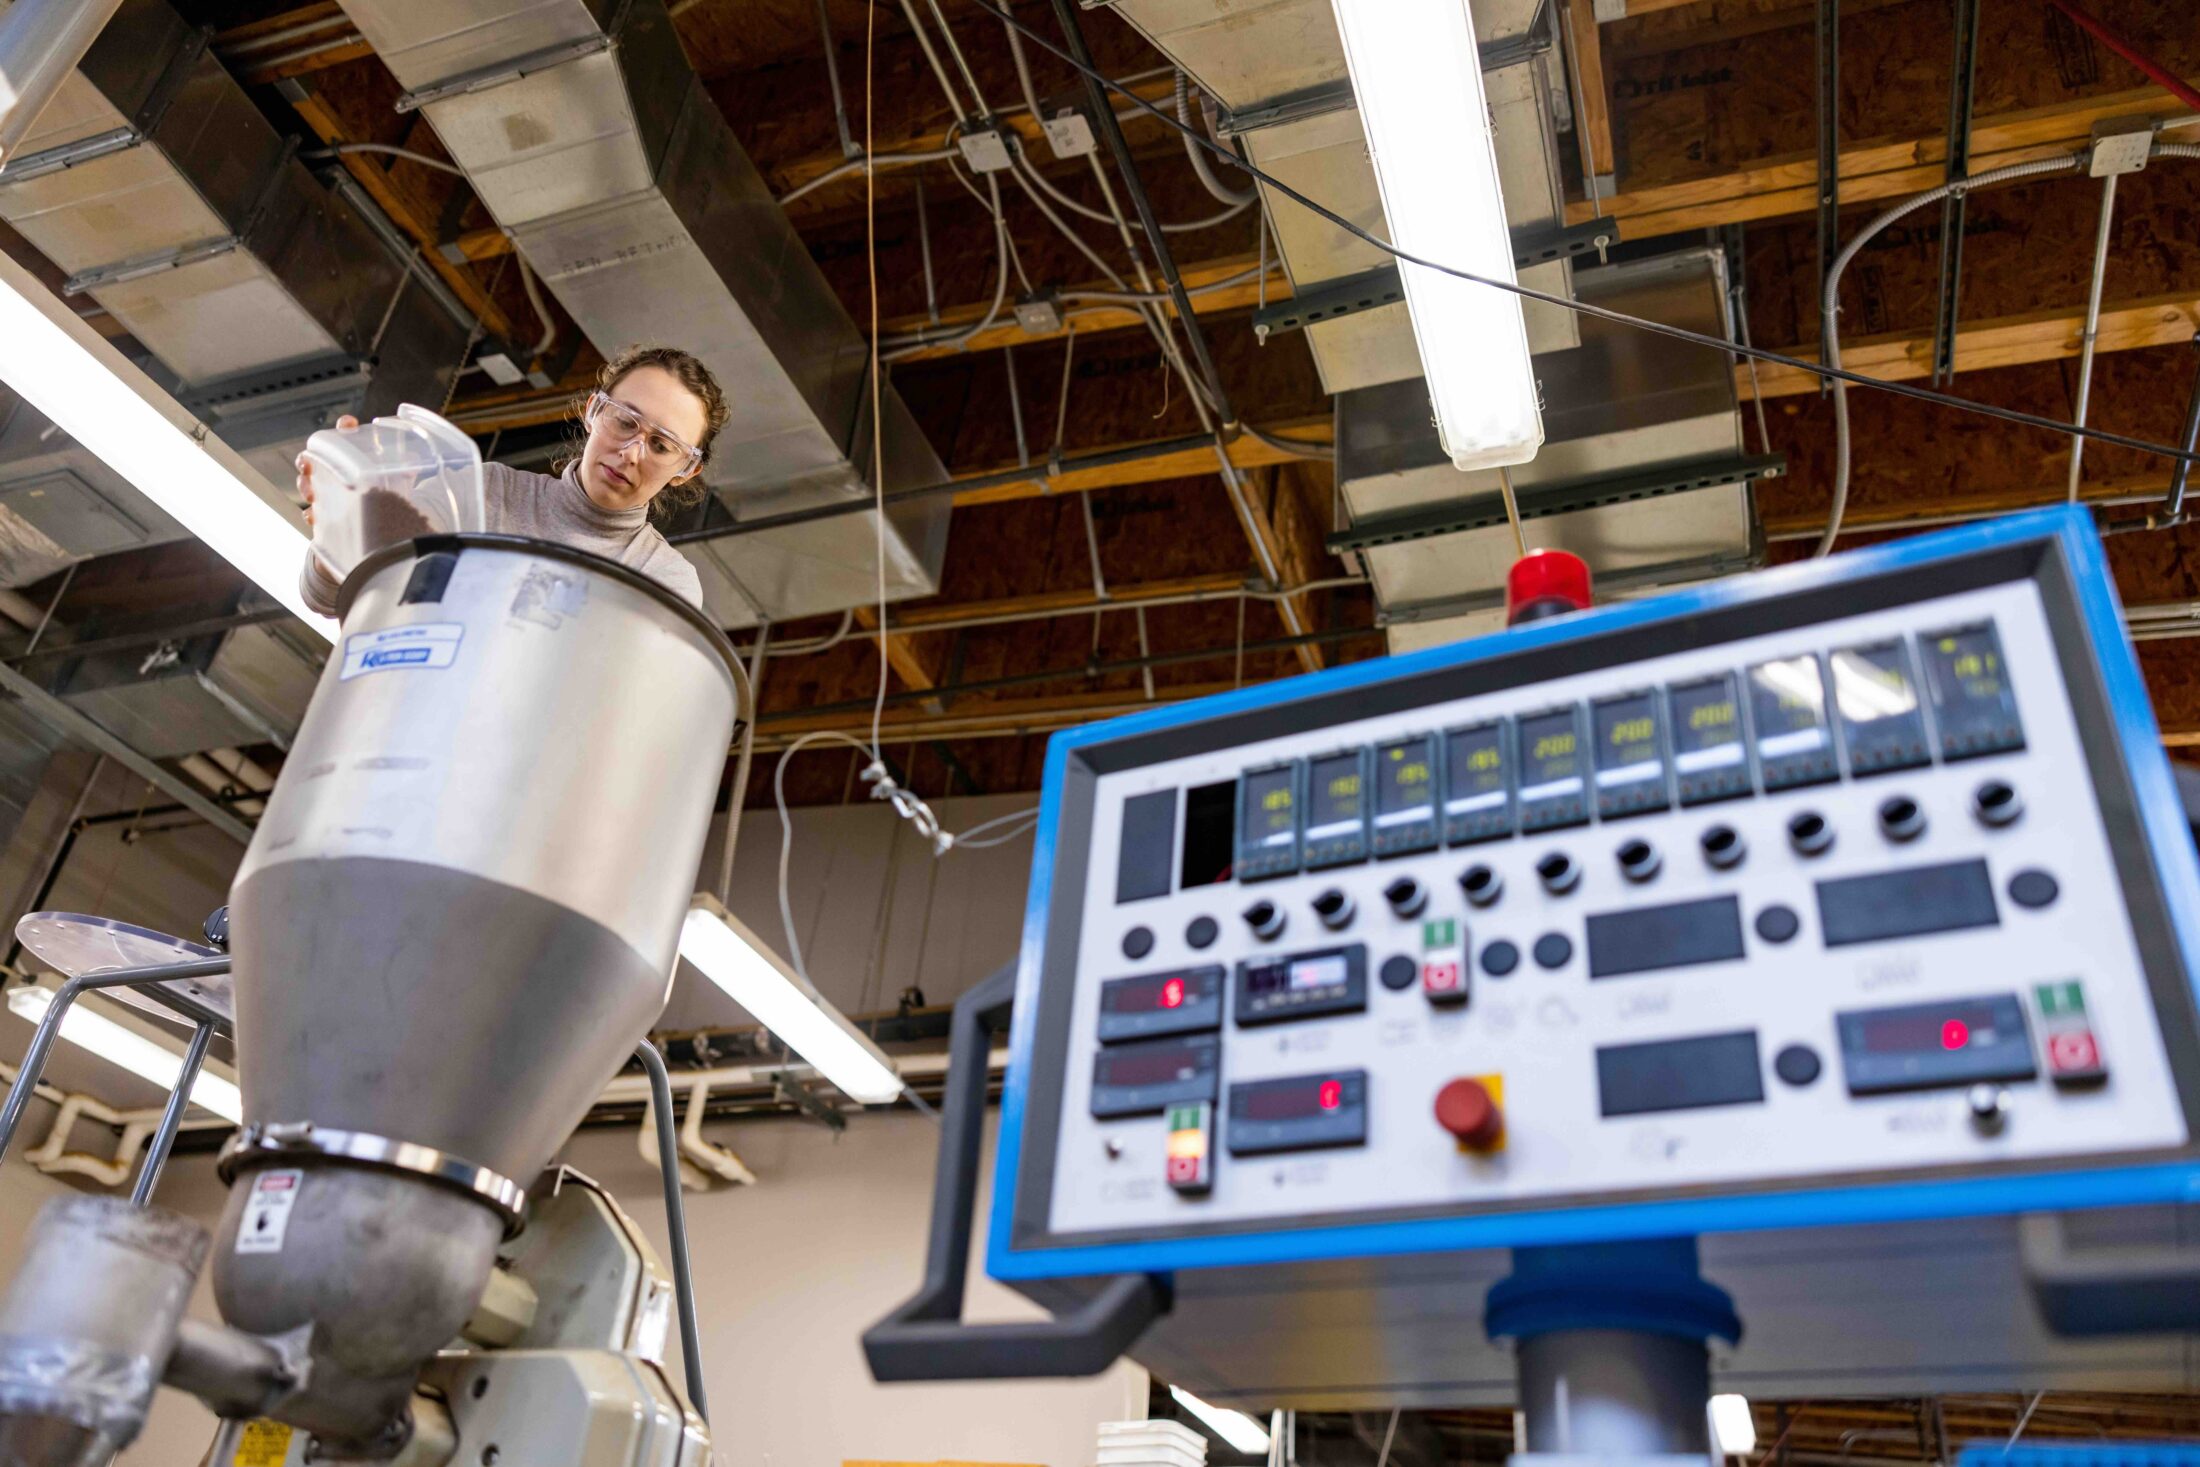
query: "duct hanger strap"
497, 75
1383, 287
69, 155
141, 266
281, 1141
1336, 96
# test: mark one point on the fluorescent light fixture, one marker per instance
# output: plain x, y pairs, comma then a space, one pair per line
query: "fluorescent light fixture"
783, 1001
1733, 1429
1235, 1427
62, 368
1417, 76
131, 1050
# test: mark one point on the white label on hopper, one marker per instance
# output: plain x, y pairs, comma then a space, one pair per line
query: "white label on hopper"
267, 1211
428, 645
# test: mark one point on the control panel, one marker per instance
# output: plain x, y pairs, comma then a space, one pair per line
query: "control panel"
1831, 892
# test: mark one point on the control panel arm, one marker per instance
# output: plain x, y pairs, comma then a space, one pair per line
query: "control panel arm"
926, 1339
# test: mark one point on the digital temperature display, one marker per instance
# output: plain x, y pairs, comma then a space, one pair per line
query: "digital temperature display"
1140, 1079
1336, 809
1880, 716
1405, 796
1478, 797
1152, 1004
1787, 702
1302, 985
1972, 701
1929, 1045
1630, 755
1709, 762
1298, 1114
1268, 822
1552, 787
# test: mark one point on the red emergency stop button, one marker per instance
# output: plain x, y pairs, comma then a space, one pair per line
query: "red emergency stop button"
1466, 1108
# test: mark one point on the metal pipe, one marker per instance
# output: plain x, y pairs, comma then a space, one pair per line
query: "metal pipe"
939, 72
1103, 113
238, 1374
41, 42
849, 147
758, 651
683, 1283
2174, 503
171, 1119
924, 247
2092, 332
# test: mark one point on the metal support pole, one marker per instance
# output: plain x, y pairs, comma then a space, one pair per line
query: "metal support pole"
683, 1283
849, 147
1103, 117
1960, 90
2174, 504
171, 1119
41, 42
1829, 142
2092, 332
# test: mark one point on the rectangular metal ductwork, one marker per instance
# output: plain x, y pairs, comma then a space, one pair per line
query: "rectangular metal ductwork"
270, 304
592, 142
1278, 68
1642, 473
245, 687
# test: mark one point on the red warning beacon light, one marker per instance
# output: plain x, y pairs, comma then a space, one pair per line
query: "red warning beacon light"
1546, 583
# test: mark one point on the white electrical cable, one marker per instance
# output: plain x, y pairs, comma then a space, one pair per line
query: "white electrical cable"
339, 149
1187, 226
533, 287
930, 341
842, 170
1222, 192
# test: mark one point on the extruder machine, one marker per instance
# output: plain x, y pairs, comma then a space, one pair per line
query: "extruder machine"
1833, 915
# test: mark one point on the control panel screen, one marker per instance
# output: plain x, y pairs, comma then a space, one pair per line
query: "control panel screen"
1161, 1003
1914, 902
1405, 796
1139, 1079
1551, 771
1630, 755
1268, 822
1478, 784
1880, 716
1302, 985
1973, 703
1679, 1074
1653, 939
1298, 1114
1336, 809
1709, 762
1787, 702
1928, 1045
1148, 848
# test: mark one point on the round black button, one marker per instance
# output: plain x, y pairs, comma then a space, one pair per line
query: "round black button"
1797, 1064
2034, 888
1499, 958
1137, 943
1554, 949
1398, 971
1202, 933
1778, 924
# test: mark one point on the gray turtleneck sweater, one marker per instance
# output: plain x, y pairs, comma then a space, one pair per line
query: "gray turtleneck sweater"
558, 509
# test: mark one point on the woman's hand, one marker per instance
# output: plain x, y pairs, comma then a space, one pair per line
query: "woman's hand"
305, 470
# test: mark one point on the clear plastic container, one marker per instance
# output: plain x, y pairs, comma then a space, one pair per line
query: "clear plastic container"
389, 480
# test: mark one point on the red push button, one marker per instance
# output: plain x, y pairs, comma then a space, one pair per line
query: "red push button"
2074, 1057
1468, 1110
1444, 980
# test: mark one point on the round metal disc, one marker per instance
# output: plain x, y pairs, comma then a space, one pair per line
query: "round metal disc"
75, 943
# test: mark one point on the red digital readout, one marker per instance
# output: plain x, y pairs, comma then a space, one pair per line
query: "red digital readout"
1172, 994
1332, 1094
1954, 1034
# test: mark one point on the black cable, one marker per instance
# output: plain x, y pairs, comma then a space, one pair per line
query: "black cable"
1583, 308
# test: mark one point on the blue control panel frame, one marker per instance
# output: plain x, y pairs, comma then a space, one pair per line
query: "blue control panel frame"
2066, 529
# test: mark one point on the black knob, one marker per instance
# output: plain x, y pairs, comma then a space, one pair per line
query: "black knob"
1334, 908
1996, 803
1809, 833
1900, 819
1558, 872
1406, 896
1266, 919
217, 928
1482, 885
1638, 860
1723, 847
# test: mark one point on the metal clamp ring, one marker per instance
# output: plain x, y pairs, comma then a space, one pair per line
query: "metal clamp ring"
282, 1140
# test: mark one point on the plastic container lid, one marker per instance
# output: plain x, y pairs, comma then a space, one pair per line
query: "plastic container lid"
396, 478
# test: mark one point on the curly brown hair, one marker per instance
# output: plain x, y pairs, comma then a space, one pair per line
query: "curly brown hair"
690, 372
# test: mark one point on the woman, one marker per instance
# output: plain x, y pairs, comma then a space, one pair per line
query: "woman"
650, 424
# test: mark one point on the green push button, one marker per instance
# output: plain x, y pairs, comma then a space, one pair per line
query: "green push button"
2060, 998
1441, 933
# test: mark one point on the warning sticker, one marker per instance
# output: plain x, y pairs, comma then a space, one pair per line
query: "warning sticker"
262, 1444
267, 1212
431, 644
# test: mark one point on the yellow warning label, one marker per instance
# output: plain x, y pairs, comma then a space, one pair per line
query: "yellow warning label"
262, 1444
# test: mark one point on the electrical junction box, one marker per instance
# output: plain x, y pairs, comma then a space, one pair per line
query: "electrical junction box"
1856, 891
1039, 313
1069, 134
983, 150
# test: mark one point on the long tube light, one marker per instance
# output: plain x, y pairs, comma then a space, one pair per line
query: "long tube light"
1733, 1427
1235, 1427
65, 370
750, 973
1417, 76
131, 1050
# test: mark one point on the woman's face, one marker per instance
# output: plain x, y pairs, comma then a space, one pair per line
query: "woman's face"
619, 471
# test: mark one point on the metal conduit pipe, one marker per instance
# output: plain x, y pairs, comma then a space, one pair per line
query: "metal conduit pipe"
2092, 332
1198, 155
41, 42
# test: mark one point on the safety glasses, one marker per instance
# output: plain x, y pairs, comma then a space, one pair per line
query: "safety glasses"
621, 425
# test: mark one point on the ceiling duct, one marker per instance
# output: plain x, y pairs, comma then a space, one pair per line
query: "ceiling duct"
168, 199
59, 504
595, 146
232, 690
1642, 471
1277, 67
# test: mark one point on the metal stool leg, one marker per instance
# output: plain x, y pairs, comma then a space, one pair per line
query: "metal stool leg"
171, 1120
